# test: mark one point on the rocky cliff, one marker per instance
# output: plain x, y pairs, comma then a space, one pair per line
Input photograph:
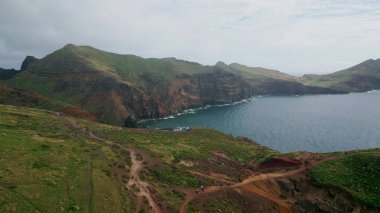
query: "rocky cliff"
113, 90
116, 87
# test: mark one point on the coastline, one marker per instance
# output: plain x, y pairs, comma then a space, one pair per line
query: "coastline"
194, 110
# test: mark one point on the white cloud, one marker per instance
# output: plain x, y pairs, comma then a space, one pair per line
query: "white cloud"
308, 36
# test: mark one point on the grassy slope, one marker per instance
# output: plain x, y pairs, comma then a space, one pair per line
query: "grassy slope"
48, 165
356, 173
256, 73
344, 79
140, 72
74, 72
124, 67
130, 66
22, 98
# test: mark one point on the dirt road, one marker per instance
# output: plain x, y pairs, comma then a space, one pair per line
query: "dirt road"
135, 184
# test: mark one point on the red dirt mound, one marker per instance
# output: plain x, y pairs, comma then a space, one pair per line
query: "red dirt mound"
277, 162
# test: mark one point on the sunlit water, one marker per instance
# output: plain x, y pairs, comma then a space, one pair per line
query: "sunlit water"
317, 123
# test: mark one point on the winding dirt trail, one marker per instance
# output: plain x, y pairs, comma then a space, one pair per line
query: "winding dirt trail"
283, 206
256, 185
135, 184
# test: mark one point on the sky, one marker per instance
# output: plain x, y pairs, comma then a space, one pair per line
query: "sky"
294, 36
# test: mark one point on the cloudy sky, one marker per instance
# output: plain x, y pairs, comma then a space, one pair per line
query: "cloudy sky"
294, 36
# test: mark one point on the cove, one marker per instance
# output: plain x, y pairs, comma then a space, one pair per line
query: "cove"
315, 123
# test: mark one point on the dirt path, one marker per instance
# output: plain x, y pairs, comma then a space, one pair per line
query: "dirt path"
139, 187
254, 184
135, 184
283, 206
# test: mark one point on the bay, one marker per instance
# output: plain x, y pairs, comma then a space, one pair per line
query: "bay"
315, 123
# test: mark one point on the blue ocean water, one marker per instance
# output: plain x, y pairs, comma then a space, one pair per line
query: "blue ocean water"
316, 123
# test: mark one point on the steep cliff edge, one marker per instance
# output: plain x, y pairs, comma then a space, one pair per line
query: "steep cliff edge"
115, 87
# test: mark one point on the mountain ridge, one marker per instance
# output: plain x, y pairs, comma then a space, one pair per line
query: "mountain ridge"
362, 77
114, 87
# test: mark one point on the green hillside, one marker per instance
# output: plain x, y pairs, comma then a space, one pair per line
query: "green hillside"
267, 81
362, 77
125, 67
115, 87
17, 97
256, 72
52, 163
56, 163
357, 173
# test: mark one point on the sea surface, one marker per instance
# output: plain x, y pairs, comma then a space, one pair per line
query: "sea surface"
316, 123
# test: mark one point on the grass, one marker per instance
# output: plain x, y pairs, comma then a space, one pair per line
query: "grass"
44, 166
48, 165
129, 67
199, 144
173, 175
356, 173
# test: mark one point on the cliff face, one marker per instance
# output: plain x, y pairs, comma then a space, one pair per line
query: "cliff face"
277, 86
187, 91
220, 87
115, 87
114, 93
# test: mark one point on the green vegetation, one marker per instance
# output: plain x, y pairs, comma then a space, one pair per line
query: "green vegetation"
125, 67
256, 73
82, 76
6, 74
362, 77
173, 147
173, 175
113, 87
356, 173
55, 163
135, 65
48, 164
